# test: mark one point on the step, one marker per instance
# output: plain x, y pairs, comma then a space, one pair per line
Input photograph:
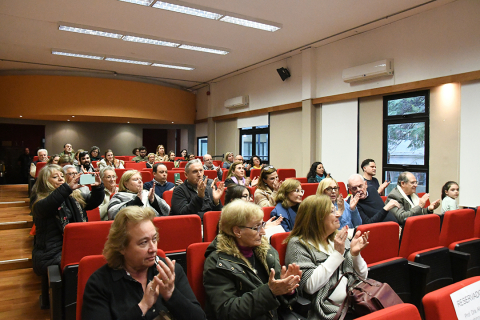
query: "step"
15, 248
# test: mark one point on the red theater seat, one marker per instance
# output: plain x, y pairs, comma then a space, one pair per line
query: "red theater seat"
404, 311
210, 225
195, 261
276, 241
286, 173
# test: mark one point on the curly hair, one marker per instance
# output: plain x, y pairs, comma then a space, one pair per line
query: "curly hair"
313, 170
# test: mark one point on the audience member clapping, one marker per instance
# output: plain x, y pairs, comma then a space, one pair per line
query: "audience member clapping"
109, 179
110, 161
236, 175
267, 187
289, 197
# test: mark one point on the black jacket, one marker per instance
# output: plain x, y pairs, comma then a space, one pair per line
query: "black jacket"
50, 216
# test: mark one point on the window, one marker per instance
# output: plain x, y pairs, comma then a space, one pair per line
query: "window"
255, 141
406, 137
202, 146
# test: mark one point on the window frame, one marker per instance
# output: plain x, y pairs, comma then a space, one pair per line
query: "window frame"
198, 145
423, 117
254, 131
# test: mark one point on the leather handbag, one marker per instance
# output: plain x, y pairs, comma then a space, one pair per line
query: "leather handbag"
365, 296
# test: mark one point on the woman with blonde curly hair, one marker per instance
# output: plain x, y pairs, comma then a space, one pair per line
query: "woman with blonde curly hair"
56, 203
242, 275
131, 193
135, 283
228, 160
289, 197
160, 154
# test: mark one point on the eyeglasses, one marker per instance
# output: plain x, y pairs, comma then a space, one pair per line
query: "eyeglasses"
413, 182
353, 188
268, 168
330, 189
302, 192
257, 228
71, 173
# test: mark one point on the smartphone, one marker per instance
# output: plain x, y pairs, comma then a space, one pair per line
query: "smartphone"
87, 178
176, 177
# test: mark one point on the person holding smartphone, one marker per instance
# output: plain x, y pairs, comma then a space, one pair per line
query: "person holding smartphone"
160, 182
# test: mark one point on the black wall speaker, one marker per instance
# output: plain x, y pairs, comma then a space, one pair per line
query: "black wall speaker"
283, 73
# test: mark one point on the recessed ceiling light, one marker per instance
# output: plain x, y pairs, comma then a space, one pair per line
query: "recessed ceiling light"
172, 122
77, 55
73, 116
249, 23
171, 66
186, 10
68, 120
128, 121
143, 63
150, 41
202, 49
140, 2
91, 32
21, 116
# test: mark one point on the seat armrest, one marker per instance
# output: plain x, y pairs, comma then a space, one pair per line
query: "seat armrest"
418, 282
55, 292
459, 261
302, 306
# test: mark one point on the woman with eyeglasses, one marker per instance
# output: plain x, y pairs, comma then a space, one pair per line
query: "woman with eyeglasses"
267, 187
242, 276
288, 199
236, 175
349, 215
109, 179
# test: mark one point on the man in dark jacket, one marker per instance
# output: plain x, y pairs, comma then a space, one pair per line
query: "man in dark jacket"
160, 172
198, 194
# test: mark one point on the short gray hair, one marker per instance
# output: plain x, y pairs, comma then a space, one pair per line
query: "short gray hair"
206, 154
68, 166
353, 176
402, 177
38, 152
102, 171
187, 167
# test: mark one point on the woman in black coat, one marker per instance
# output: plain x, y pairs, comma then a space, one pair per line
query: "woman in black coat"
57, 203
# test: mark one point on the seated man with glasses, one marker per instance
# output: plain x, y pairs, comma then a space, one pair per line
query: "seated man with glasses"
70, 173
208, 165
370, 205
410, 203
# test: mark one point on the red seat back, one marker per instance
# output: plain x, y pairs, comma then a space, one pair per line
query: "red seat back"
87, 266
457, 225
266, 212
93, 215
35, 158
176, 233
286, 173
438, 304
210, 225
277, 242
310, 189
168, 164
476, 229
195, 262
120, 173
129, 158
83, 239
39, 166
384, 198
171, 175
135, 165
301, 179
224, 174
343, 189
218, 163
179, 158
167, 196
255, 173
95, 164
420, 233
404, 311
146, 175
383, 241
211, 174
182, 164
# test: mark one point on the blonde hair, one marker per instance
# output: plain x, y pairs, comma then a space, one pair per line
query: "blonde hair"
310, 221
127, 175
232, 168
286, 187
238, 213
226, 157
43, 187
118, 237
324, 184
158, 148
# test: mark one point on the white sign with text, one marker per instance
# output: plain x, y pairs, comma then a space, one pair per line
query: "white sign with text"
466, 302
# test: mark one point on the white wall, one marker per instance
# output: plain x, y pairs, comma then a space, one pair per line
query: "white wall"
469, 144
339, 138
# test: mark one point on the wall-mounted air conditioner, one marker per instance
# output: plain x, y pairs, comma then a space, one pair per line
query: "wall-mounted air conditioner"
236, 102
368, 71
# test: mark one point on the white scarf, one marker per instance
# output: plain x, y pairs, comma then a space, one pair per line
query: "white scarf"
414, 197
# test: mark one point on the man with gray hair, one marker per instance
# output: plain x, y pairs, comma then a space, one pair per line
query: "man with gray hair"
198, 194
71, 173
42, 157
370, 205
410, 203
208, 165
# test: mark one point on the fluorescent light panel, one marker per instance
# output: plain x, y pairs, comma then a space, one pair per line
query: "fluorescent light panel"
143, 63
202, 49
150, 41
249, 23
91, 32
186, 10
76, 55
171, 66
140, 2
